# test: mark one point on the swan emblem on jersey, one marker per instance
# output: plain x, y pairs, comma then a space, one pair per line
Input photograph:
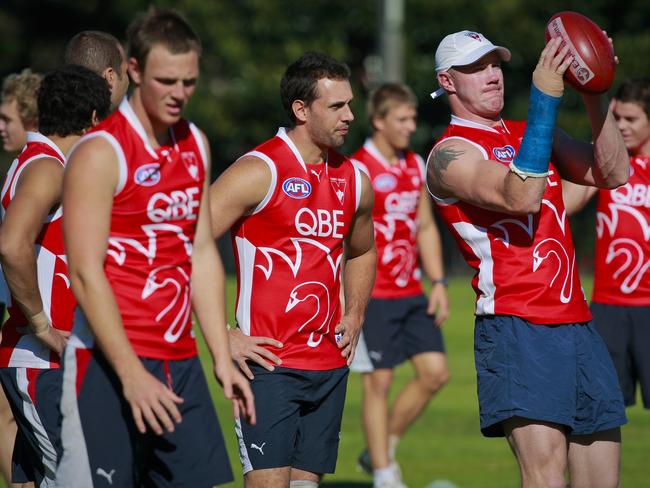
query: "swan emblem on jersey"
294, 265
400, 252
174, 276
633, 261
398, 207
553, 248
117, 245
319, 322
545, 249
388, 229
162, 276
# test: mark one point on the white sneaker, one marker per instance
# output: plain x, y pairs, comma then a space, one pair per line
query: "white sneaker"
387, 483
393, 481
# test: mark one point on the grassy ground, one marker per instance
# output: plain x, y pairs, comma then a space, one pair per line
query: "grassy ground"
445, 443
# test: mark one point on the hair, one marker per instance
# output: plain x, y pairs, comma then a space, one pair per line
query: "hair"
165, 27
635, 91
301, 78
387, 96
95, 50
23, 87
68, 98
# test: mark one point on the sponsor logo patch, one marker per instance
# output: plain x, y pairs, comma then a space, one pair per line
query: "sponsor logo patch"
504, 154
296, 188
385, 182
147, 174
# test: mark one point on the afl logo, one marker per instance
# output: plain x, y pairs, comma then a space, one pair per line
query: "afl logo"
504, 154
147, 174
385, 182
296, 188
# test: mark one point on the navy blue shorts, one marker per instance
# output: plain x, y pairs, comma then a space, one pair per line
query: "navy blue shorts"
560, 374
298, 420
34, 395
626, 332
101, 444
394, 330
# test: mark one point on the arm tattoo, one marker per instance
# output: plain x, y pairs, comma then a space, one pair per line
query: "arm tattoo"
439, 161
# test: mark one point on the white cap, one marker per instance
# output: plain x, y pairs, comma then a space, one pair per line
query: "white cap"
465, 47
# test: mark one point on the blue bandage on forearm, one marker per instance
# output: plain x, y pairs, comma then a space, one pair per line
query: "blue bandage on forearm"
535, 150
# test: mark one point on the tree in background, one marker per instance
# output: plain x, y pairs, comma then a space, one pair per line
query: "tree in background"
248, 43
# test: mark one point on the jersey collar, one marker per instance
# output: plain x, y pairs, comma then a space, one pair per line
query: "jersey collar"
38, 137
455, 120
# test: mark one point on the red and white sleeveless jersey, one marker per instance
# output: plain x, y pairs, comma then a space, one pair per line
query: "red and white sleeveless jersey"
397, 193
19, 348
153, 222
525, 265
622, 275
289, 252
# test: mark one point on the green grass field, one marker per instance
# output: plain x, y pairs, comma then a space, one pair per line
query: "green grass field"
445, 443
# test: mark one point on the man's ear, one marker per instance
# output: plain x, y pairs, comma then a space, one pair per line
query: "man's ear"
135, 71
109, 75
377, 123
446, 81
299, 110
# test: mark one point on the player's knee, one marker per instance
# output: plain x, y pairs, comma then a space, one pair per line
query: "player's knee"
434, 380
378, 386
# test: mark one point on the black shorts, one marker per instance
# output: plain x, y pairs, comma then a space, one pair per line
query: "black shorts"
553, 373
298, 420
626, 331
34, 396
102, 446
394, 330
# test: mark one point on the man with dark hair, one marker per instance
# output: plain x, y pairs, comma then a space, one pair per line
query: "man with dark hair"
142, 258
545, 380
298, 211
620, 302
18, 109
400, 323
71, 99
102, 53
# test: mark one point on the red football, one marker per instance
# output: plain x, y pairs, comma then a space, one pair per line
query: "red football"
593, 67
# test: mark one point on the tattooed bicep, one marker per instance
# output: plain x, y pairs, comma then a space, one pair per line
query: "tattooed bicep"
439, 161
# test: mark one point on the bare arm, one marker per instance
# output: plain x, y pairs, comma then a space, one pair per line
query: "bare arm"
457, 169
38, 191
89, 183
237, 192
430, 250
576, 196
209, 304
234, 194
605, 163
359, 272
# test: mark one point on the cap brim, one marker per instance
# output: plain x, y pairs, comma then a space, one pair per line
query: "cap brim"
477, 54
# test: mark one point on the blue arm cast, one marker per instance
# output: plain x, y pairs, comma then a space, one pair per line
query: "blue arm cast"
535, 150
